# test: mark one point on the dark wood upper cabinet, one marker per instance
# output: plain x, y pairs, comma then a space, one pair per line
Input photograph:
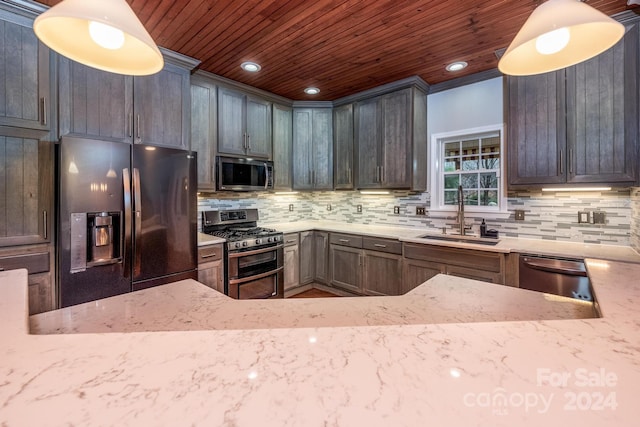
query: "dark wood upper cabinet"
204, 130
25, 88
312, 149
282, 147
152, 110
391, 140
578, 125
343, 147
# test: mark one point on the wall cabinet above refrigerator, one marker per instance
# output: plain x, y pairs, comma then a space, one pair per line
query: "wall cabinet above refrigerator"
151, 110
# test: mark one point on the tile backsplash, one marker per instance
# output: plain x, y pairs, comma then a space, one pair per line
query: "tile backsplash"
552, 216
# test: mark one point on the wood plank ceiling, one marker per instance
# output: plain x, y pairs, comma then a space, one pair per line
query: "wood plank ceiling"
341, 47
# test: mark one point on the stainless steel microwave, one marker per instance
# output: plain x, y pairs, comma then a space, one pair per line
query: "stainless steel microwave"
243, 174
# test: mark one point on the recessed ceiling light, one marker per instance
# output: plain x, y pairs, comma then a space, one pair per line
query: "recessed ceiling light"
456, 66
312, 91
251, 67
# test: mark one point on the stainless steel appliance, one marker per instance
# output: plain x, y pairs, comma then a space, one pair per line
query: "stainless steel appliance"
559, 276
254, 256
127, 218
243, 174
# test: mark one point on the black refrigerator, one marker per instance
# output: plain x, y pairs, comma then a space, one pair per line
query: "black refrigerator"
127, 218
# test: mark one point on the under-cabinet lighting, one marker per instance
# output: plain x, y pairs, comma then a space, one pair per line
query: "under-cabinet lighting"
578, 189
370, 192
285, 193
149, 148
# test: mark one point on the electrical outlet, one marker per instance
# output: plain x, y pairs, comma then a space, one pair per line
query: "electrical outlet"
291, 207
396, 209
329, 206
519, 215
584, 217
359, 208
420, 210
599, 217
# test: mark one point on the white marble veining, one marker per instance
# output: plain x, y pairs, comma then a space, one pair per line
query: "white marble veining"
189, 305
506, 244
451, 374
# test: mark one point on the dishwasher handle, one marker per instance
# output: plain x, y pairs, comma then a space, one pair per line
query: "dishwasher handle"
552, 267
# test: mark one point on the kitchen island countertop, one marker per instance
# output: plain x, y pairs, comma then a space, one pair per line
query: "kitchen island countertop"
524, 373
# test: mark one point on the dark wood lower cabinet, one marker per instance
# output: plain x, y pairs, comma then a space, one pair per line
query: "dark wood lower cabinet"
382, 273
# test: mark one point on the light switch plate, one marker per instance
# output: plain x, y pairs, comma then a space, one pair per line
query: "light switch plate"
519, 214
599, 217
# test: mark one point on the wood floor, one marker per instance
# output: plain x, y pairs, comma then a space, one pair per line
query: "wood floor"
314, 293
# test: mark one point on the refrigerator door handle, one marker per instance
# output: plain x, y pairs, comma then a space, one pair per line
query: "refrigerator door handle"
126, 236
137, 213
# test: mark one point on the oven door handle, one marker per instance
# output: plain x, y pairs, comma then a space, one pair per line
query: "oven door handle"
254, 252
256, 277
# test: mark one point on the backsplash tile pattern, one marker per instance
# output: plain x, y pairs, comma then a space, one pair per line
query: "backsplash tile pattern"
635, 218
552, 216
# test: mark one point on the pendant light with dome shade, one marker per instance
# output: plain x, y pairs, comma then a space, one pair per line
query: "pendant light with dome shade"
558, 34
103, 34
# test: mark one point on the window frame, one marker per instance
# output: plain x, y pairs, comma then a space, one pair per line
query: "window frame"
437, 174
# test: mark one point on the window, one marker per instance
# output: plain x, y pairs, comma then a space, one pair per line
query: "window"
471, 159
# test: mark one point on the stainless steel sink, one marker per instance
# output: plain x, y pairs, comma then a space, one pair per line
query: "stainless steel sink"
461, 239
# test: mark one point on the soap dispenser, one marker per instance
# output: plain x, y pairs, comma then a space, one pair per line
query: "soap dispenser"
483, 228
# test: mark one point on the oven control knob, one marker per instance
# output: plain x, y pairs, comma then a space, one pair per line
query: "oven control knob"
244, 243
270, 240
258, 241
276, 238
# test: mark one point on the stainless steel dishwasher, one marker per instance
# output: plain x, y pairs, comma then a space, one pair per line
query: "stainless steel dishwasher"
560, 276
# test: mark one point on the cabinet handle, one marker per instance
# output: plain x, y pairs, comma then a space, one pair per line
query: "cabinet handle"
570, 160
382, 179
248, 142
561, 161
45, 224
138, 136
343, 240
290, 241
349, 174
44, 110
377, 245
209, 256
130, 125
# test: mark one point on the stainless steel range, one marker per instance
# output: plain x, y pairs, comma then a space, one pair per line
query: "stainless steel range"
254, 256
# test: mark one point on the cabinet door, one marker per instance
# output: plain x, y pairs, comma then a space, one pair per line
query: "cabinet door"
161, 107
307, 257
258, 128
26, 187
367, 134
211, 274
321, 249
302, 149
93, 103
382, 273
537, 129
416, 272
322, 137
346, 268
602, 115
291, 267
397, 157
204, 131
282, 147
24, 77
231, 122
343, 147
41, 294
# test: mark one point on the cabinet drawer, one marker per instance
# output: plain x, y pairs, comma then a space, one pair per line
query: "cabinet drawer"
291, 239
487, 261
209, 253
34, 263
346, 240
382, 245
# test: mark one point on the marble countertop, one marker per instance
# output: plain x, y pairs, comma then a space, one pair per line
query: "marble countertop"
527, 373
206, 240
189, 305
506, 244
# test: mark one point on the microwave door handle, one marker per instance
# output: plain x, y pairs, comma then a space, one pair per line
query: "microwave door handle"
138, 221
266, 176
126, 236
